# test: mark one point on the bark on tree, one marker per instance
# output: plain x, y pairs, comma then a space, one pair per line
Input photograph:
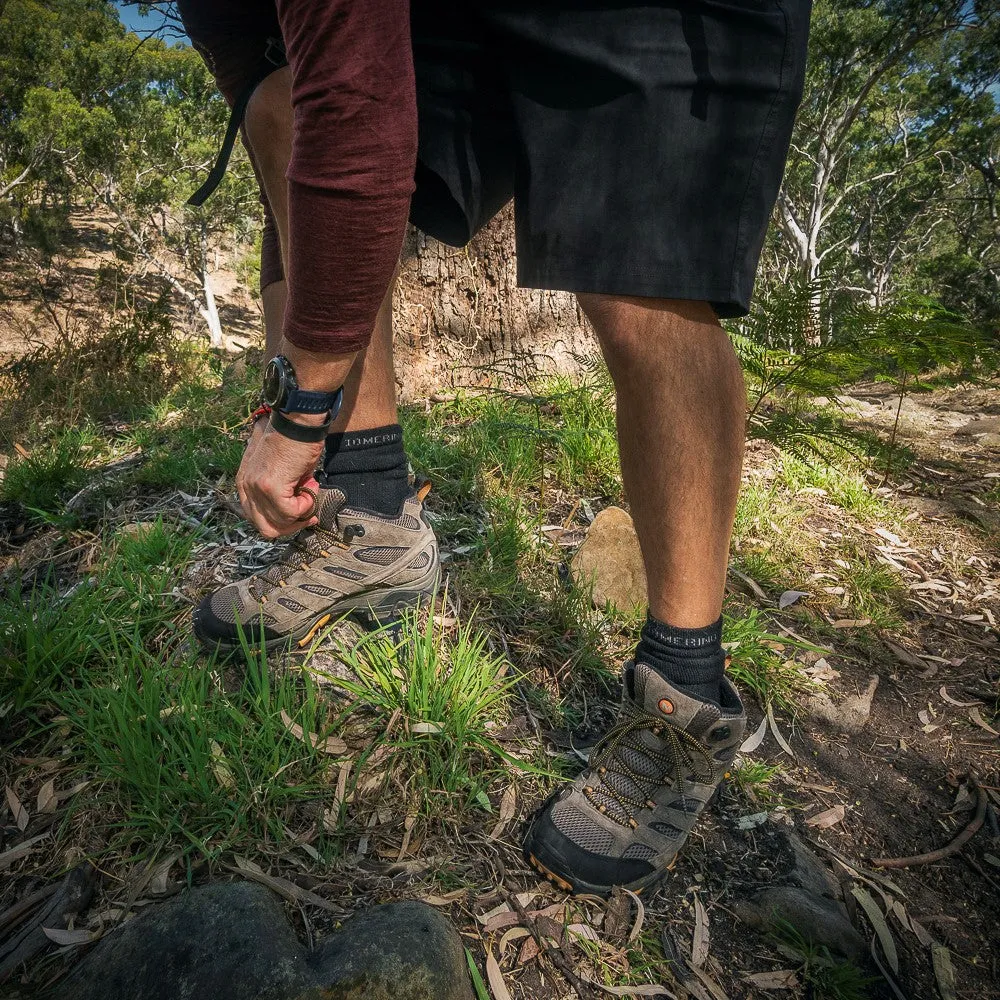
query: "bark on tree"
461, 320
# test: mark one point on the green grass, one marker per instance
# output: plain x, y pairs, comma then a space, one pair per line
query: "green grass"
755, 778
825, 976
443, 691
844, 485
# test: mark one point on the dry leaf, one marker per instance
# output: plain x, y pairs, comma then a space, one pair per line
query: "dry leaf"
780, 979
701, 942
158, 878
640, 915
17, 810
710, 984
584, 931
332, 745
974, 714
877, 919
220, 766
497, 986
508, 806
852, 622
952, 701
284, 888
827, 818
20, 850
432, 728
68, 793
790, 597
445, 900
514, 934
331, 816
923, 935
47, 798
943, 972
64, 937
752, 742
782, 742
646, 990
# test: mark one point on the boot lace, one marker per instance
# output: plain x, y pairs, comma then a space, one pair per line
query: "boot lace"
679, 757
308, 545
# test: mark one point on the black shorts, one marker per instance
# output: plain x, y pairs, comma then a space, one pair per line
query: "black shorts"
643, 144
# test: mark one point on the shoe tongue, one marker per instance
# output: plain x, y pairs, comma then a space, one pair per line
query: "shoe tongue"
656, 696
331, 502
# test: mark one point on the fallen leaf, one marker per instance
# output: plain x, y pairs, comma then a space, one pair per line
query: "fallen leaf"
445, 900
432, 728
974, 714
220, 766
64, 937
881, 928
332, 745
780, 979
495, 977
17, 810
827, 818
584, 931
640, 915
284, 888
752, 742
646, 990
331, 816
952, 701
159, 876
508, 806
513, 934
710, 984
852, 622
782, 742
943, 971
923, 935
20, 850
47, 799
701, 941
68, 793
790, 597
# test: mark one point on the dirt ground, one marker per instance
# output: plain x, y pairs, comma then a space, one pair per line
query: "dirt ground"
922, 766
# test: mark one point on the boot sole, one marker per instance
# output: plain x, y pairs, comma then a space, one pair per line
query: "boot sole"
373, 609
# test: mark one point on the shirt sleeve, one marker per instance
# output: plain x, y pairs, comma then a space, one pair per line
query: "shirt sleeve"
350, 178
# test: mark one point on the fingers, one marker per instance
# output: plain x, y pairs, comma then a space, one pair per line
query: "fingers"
270, 484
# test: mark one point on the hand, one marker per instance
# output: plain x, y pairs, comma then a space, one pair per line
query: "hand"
274, 467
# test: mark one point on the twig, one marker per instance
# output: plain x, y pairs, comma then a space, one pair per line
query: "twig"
19, 910
942, 852
555, 955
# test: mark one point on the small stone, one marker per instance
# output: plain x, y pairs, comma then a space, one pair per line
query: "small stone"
818, 919
232, 942
611, 561
849, 715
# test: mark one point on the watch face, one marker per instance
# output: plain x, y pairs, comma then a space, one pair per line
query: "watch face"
273, 382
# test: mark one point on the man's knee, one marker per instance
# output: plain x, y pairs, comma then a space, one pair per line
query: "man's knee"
269, 113
622, 321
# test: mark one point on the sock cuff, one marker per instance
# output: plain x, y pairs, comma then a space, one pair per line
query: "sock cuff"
376, 437
683, 638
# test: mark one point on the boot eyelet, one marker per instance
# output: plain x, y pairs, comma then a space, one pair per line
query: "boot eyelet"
720, 734
666, 706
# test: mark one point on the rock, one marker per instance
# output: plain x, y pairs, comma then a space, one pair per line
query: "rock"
818, 919
849, 715
610, 560
985, 425
232, 942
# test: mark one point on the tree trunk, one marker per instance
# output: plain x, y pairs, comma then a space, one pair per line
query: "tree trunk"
461, 320
211, 312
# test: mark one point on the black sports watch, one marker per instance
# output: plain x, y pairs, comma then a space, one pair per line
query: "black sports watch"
282, 394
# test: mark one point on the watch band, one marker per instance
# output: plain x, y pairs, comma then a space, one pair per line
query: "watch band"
310, 401
300, 432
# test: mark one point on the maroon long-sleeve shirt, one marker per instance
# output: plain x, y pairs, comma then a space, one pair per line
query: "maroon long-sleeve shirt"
353, 150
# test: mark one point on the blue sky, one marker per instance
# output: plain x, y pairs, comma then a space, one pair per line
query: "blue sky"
142, 25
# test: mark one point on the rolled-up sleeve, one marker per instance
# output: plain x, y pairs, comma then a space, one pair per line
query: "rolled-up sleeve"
351, 172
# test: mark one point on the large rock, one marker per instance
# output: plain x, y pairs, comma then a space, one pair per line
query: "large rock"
232, 942
610, 560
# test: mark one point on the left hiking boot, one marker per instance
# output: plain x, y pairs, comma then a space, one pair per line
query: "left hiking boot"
353, 561
622, 822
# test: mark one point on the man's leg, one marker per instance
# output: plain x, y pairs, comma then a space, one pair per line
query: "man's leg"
681, 424
364, 476
680, 411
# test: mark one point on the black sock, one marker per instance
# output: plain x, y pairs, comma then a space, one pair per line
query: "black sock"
369, 467
691, 659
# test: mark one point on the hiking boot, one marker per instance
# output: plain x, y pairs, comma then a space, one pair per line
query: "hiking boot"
624, 819
353, 561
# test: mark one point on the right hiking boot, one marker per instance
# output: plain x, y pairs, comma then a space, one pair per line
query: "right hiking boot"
352, 562
622, 822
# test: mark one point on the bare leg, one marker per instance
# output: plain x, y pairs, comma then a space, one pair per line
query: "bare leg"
370, 387
681, 407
